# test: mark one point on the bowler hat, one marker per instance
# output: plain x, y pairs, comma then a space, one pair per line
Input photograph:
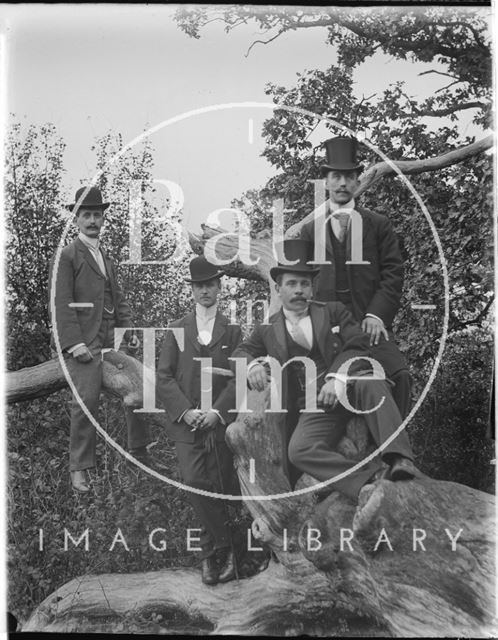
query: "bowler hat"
92, 197
341, 155
296, 249
201, 270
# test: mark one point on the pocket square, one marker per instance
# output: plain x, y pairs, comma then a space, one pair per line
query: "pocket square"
336, 329
225, 346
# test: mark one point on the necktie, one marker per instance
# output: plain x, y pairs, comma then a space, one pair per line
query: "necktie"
298, 334
97, 254
343, 219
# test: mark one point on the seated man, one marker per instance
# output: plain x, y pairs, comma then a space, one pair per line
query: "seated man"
204, 458
327, 334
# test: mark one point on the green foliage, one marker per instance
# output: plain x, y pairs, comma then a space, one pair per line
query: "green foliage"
34, 223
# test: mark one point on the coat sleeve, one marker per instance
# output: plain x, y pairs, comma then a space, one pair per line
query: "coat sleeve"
253, 347
387, 299
226, 400
123, 311
172, 398
66, 322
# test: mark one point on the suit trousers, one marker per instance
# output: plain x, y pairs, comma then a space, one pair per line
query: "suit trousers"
207, 470
87, 378
395, 367
312, 448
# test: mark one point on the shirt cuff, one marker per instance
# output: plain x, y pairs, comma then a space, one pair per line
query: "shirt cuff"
181, 417
255, 362
372, 315
219, 416
337, 376
76, 346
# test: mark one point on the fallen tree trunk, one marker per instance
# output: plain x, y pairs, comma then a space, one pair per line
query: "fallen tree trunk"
398, 574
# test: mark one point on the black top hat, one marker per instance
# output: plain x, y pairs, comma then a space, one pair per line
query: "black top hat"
341, 155
201, 270
296, 249
92, 198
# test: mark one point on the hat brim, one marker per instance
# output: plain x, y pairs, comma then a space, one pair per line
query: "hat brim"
305, 271
216, 276
325, 168
103, 206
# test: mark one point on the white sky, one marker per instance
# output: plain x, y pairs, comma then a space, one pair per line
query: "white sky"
90, 69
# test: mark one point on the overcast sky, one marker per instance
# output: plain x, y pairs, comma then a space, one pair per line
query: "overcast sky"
91, 69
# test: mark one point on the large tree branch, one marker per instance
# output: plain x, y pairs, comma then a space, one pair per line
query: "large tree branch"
408, 167
458, 106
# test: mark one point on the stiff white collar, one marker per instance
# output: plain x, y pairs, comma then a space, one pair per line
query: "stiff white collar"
334, 206
205, 313
90, 242
295, 316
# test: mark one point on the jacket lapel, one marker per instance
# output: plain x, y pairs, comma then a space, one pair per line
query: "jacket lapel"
219, 328
321, 324
191, 330
366, 223
280, 342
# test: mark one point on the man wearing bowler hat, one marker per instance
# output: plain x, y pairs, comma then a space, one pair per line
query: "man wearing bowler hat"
204, 458
371, 292
89, 304
328, 335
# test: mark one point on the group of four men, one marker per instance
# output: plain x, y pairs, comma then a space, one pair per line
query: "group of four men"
330, 314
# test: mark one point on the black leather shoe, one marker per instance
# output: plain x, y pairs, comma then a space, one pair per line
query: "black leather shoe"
403, 469
141, 454
209, 570
227, 571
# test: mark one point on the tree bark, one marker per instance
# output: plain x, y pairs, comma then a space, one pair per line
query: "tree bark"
378, 583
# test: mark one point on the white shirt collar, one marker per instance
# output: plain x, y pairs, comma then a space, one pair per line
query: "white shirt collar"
206, 313
89, 242
292, 316
334, 206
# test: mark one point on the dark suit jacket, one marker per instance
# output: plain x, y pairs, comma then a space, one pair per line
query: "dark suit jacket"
336, 347
375, 288
79, 279
178, 375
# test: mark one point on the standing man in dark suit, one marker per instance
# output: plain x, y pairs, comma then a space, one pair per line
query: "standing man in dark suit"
371, 292
328, 335
204, 458
89, 303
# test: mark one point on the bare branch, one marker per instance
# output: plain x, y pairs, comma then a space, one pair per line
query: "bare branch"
439, 73
436, 113
457, 325
264, 41
447, 86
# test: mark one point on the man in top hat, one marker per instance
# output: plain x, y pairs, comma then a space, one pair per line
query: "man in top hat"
371, 292
328, 335
204, 458
89, 303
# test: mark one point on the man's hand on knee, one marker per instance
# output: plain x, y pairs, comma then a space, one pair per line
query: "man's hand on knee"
331, 392
374, 327
82, 354
257, 377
